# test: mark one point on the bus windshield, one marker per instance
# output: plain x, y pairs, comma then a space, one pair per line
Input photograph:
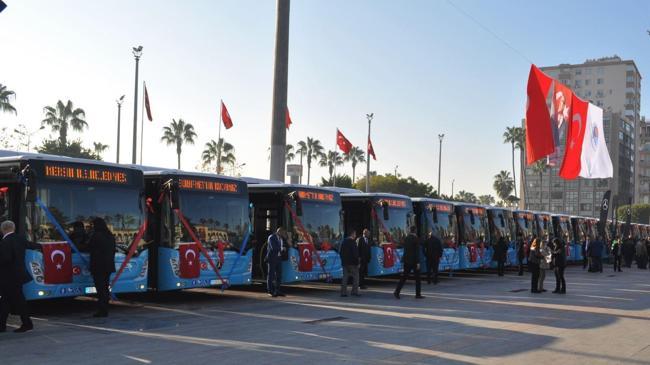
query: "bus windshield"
544, 225
564, 230
501, 226
397, 224
443, 226
215, 218
120, 206
474, 226
581, 230
525, 226
323, 222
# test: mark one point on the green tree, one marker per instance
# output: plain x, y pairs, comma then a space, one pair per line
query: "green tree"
99, 148
177, 133
63, 116
314, 152
640, 213
510, 136
355, 156
342, 181
503, 185
72, 149
331, 160
222, 152
389, 183
289, 153
467, 197
486, 200
5, 100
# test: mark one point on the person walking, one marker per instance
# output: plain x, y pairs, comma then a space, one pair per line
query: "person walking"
595, 252
628, 251
276, 246
101, 245
411, 262
13, 275
559, 263
617, 252
544, 263
521, 253
534, 257
365, 244
500, 253
585, 253
641, 255
349, 253
432, 252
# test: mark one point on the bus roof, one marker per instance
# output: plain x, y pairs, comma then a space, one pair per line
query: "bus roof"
375, 195
286, 186
254, 180
343, 190
431, 200
157, 171
8, 156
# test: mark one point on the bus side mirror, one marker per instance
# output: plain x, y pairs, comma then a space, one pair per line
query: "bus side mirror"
434, 214
171, 186
30, 184
502, 221
471, 217
251, 209
384, 206
296, 198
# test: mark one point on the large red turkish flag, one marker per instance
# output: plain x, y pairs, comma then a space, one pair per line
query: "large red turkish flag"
575, 136
539, 134
306, 262
225, 116
190, 261
344, 144
57, 260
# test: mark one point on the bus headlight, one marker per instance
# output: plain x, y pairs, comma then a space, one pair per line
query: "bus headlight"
178, 285
41, 293
141, 286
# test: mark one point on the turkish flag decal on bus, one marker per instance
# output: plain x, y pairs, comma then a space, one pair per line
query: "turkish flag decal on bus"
306, 262
57, 259
190, 261
389, 255
473, 253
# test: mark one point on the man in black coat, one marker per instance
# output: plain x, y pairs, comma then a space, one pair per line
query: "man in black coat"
432, 252
500, 253
411, 263
102, 262
521, 254
628, 251
364, 243
349, 253
13, 275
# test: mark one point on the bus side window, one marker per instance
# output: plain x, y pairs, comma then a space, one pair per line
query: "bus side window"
471, 216
434, 214
502, 221
526, 222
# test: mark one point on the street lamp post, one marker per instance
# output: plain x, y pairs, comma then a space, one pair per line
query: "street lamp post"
119, 112
369, 117
396, 166
28, 135
452, 188
440, 138
137, 53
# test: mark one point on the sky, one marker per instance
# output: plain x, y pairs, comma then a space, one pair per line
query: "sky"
457, 67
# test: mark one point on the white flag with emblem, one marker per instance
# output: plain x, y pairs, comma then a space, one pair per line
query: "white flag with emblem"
595, 162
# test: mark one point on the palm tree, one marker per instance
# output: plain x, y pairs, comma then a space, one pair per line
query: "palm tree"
302, 151
355, 156
99, 148
5, 95
486, 199
62, 116
511, 136
467, 197
222, 152
503, 185
314, 151
289, 154
178, 132
331, 160
540, 167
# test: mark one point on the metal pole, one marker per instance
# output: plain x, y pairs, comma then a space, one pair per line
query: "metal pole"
137, 52
452, 188
440, 138
369, 116
280, 79
142, 124
119, 112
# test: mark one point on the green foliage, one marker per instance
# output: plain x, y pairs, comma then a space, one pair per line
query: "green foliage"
466, 196
486, 200
342, 181
72, 149
640, 213
389, 183
5, 100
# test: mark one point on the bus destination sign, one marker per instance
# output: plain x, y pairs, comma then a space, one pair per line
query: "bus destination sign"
89, 174
208, 185
317, 196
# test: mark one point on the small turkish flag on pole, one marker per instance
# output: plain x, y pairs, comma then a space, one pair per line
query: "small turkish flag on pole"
343, 143
225, 116
371, 151
57, 262
146, 104
287, 119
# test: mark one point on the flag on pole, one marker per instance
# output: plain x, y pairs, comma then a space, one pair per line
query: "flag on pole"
371, 151
539, 135
343, 143
225, 116
287, 119
146, 103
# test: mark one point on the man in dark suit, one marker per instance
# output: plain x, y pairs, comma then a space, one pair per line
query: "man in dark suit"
500, 253
432, 252
102, 263
364, 243
13, 274
276, 247
349, 253
411, 262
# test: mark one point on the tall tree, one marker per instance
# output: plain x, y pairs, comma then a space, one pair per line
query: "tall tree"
99, 148
503, 185
486, 199
5, 102
331, 160
314, 152
355, 156
63, 116
302, 151
539, 168
511, 136
467, 197
289, 153
177, 133
222, 152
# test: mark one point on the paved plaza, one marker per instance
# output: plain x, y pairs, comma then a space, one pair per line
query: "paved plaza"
470, 318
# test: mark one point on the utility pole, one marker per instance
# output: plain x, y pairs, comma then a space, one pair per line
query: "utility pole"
369, 117
119, 112
452, 188
137, 53
280, 80
440, 138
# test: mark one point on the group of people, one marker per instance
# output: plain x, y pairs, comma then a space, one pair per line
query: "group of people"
543, 256
628, 250
100, 243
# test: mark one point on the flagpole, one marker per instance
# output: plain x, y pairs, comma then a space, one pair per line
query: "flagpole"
334, 161
220, 120
144, 87
369, 116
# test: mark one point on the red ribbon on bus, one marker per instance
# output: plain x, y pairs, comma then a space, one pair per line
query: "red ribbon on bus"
196, 240
307, 235
132, 249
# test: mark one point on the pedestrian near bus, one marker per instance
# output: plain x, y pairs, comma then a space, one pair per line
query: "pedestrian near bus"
276, 247
628, 251
617, 252
365, 244
411, 262
534, 257
521, 253
641, 255
13, 275
432, 252
500, 253
544, 263
559, 263
102, 262
595, 252
349, 253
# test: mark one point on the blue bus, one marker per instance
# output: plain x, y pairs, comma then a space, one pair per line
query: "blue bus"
524, 228
53, 200
473, 236
580, 235
216, 211
312, 217
543, 226
388, 217
501, 224
438, 216
562, 229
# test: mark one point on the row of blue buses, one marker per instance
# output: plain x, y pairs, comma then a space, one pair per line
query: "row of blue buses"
177, 230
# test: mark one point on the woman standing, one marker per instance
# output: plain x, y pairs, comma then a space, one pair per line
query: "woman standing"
544, 262
559, 263
641, 255
102, 262
533, 265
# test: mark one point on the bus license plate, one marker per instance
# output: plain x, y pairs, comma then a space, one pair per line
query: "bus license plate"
90, 290
215, 282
